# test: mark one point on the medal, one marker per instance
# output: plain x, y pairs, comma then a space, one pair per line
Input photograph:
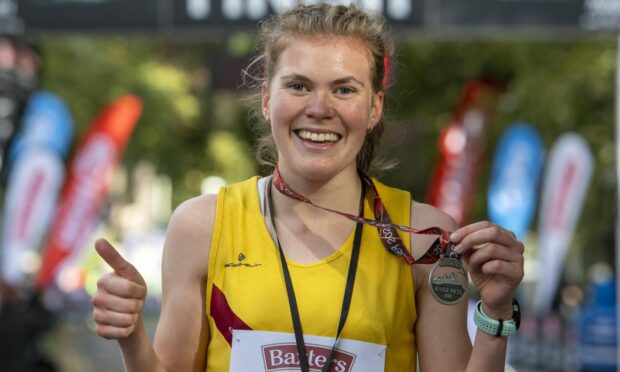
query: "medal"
448, 279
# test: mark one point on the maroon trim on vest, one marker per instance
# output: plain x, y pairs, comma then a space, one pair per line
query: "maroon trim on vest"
223, 316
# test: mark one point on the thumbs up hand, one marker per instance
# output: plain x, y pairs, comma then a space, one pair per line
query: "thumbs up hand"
120, 296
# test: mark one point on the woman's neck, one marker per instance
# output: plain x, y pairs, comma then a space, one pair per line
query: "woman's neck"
340, 192
308, 233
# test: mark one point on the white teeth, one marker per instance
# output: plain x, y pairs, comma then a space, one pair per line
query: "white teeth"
317, 137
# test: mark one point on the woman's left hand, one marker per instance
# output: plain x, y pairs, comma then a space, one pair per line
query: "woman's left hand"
495, 260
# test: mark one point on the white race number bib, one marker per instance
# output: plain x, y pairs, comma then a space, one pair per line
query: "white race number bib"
260, 351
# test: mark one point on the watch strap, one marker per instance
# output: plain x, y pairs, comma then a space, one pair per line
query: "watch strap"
493, 327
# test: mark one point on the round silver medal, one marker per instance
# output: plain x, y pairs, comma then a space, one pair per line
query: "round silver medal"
448, 281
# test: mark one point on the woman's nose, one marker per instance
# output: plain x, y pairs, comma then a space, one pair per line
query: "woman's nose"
319, 105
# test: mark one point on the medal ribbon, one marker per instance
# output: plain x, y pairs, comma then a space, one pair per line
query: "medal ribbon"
387, 230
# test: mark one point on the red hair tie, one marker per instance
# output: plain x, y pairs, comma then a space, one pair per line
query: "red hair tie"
386, 70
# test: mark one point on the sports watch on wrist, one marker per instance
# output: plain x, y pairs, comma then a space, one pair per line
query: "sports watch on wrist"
498, 328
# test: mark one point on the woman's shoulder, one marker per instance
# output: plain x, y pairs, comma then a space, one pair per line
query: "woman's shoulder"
422, 214
426, 215
195, 217
188, 236
194, 213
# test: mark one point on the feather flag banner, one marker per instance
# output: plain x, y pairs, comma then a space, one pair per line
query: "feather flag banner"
36, 173
88, 181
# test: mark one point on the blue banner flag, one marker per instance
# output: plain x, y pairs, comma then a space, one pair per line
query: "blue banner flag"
515, 178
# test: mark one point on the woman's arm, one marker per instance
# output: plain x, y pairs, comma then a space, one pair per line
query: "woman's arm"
495, 262
182, 331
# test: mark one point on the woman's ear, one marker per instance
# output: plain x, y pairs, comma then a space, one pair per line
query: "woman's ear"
265, 100
376, 110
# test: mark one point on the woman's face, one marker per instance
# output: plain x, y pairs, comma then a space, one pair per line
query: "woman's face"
320, 103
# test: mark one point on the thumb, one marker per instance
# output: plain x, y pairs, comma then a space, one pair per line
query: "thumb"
121, 266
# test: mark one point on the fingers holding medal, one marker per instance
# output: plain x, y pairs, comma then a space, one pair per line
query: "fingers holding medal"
494, 257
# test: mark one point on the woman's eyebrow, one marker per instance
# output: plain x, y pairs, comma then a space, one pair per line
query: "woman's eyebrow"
305, 79
296, 77
348, 79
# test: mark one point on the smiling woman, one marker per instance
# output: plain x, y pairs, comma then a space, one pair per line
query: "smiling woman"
369, 33
305, 269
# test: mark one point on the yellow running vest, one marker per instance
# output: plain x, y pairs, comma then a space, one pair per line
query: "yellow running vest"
247, 304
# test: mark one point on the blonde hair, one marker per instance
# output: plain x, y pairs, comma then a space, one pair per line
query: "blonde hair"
322, 20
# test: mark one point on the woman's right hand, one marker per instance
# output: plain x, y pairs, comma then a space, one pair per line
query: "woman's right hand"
120, 296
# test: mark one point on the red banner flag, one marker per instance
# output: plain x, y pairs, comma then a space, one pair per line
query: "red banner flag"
462, 145
88, 181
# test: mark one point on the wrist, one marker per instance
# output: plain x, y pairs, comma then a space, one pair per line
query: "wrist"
497, 312
136, 337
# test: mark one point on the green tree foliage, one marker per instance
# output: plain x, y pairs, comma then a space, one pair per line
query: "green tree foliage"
190, 130
172, 80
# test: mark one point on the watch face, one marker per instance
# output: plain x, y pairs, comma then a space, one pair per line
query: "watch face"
516, 312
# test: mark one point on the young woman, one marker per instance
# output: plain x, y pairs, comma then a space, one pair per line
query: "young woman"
261, 275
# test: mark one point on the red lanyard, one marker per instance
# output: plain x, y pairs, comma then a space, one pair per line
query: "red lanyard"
387, 230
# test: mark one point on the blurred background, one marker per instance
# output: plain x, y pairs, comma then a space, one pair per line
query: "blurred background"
112, 112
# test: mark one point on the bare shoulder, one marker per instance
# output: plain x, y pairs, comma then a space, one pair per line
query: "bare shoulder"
188, 237
194, 212
426, 215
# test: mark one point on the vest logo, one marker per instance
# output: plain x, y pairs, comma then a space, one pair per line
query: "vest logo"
241, 257
284, 356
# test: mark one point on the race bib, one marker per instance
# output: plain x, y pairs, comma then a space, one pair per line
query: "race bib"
260, 351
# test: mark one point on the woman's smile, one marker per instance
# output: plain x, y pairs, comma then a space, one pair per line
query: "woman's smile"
317, 137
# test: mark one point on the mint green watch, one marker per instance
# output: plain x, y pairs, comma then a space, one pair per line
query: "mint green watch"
498, 328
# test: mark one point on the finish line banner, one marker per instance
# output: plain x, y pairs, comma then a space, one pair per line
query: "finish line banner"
227, 15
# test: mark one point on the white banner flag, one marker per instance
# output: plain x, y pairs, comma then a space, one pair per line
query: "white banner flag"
567, 177
31, 197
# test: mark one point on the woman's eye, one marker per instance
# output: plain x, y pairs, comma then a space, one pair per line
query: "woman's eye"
296, 86
344, 90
